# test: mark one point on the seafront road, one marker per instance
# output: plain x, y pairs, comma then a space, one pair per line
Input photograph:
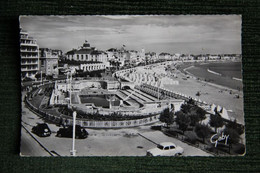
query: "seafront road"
100, 142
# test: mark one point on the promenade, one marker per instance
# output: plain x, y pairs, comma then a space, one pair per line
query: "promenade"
189, 86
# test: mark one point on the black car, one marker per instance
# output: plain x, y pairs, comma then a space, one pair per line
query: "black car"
80, 133
41, 130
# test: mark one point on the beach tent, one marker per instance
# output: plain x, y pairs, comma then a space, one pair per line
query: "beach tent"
224, 114
219, 108
213, 106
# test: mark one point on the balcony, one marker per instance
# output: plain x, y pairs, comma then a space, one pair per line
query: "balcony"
29, 69
28, 43
29, 63
29, 50
30, 57
26, 37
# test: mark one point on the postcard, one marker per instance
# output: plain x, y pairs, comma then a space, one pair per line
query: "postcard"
131, 85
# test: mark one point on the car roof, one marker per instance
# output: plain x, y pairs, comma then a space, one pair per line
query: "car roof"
167, 144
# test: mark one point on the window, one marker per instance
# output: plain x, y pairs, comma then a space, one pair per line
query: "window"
160, 147
172, 147
166, 148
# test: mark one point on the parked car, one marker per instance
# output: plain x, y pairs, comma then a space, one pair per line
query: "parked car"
165, 149
42, 130
80, 133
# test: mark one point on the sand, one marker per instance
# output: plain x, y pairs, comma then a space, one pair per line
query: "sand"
211, 93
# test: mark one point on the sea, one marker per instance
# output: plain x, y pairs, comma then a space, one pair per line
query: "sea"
228, 74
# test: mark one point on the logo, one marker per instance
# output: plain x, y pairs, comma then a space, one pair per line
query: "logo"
215, 141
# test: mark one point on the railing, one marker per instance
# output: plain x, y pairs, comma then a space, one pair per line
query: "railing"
29, 50
26, 37
29, 56
25, 42
29, 69
29, 63
66, 120
153, 90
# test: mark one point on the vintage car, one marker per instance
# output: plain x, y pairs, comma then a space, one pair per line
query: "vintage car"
165, 149
41, 130
80, 133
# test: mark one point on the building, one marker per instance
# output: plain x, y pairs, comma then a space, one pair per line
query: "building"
165, 56
29, 52
151, 56
118, 57
87, 58
87, 53
48, 61
56, 52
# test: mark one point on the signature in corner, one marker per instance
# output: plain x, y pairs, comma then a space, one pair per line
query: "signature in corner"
220, 138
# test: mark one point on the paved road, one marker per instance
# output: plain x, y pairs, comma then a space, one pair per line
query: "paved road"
29, 147
102, 142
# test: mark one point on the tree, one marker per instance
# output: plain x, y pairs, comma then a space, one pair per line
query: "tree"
201, 113
196, 114
233, 137
194, 118
185, 108
183, 120
191, 101
202, 131
216, 121
167, 117
234, 125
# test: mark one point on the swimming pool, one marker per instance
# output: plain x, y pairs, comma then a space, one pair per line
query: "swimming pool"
99, 101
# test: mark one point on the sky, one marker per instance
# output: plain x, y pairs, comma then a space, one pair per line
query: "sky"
188, 34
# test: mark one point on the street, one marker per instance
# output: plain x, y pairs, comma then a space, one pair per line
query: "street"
100, 142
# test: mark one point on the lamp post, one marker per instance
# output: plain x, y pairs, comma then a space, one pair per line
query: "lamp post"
41, 77
158, 93
70, 86
73, 151
158, 85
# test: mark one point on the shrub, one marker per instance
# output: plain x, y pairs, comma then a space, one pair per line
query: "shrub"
191, 137
202, 131
216, 121
173, 133
237, 127
167, 117
182, 120
156, 127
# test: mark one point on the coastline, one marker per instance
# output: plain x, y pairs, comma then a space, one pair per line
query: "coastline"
210, 92
209, 76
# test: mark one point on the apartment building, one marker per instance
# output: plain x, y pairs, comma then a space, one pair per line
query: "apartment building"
48, 61
29, 52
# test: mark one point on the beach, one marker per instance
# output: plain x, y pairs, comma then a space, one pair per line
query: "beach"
228, 74
212, 93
